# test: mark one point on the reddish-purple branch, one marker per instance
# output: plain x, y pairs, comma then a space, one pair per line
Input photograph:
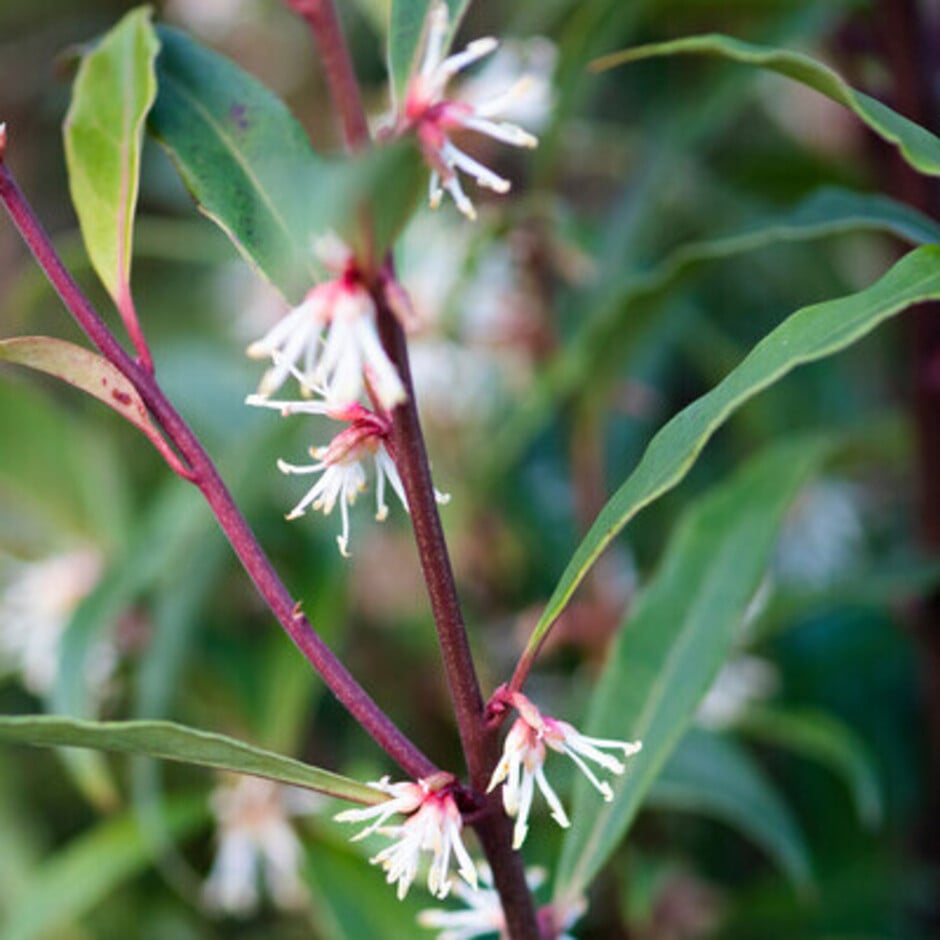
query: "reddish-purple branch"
203, 473
337, 64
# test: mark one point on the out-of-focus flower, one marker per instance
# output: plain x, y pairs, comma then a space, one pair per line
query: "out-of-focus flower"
740, 683
36, 605
434, 118
521, 765
349, 355
257, 845
433, 825
526, 66
483, 913
822, 537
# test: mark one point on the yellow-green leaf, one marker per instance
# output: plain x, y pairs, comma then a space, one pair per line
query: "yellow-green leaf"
113, 92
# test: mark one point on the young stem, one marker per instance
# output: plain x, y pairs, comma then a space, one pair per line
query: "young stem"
337, 64
480, 744
202, 472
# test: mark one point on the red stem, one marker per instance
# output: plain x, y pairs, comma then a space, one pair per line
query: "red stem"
205, 476
337, 64
480, 743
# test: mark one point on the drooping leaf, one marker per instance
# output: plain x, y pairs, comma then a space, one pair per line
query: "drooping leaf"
809, 334
170, 741
918, 146
80, 876
821, 737
114, 90
713, 776
680, 632
632, 302
85, 370
407, 26
252, 170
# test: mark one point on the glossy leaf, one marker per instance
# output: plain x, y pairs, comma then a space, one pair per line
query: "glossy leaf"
713, 776
114, 90
635, 299
681, 631
918, 146
251, 169
83, 369
242, 154
170, 741
810, 334
88, 869
408, 21
823, 738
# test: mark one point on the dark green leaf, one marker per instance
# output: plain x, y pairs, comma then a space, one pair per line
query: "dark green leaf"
918, 146
809, 334
681, 631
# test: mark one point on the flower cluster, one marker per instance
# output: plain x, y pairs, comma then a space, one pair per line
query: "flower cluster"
331, 346
257, 843
331, 341
434, 118
433, 825
520, 768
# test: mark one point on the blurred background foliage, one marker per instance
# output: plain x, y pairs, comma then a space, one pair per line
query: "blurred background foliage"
116, 571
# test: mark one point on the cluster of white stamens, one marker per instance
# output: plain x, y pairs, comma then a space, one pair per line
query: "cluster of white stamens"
434, 118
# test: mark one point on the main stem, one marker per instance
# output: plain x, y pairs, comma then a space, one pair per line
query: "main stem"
202, 472
479, 743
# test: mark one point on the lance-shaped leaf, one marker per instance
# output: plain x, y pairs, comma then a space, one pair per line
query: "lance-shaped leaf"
89, 372
407, 29
713, 776
631, 303
251, 169
170, 741
918, 146
680, 633
810, 334
114, 90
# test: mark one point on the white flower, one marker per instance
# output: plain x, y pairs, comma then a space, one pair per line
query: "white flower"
483, 915
340, 463
350, 356
434, 117
521, 765
433, 825
257, 843
740, 684
36, 606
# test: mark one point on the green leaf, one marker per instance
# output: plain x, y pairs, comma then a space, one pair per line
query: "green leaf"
630, 306
251, 169
170, 741
406, 32
681, 631
85, 370
114, 90
809, 334
823, 738
713, 776
81, 875
242, 154
918, 146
